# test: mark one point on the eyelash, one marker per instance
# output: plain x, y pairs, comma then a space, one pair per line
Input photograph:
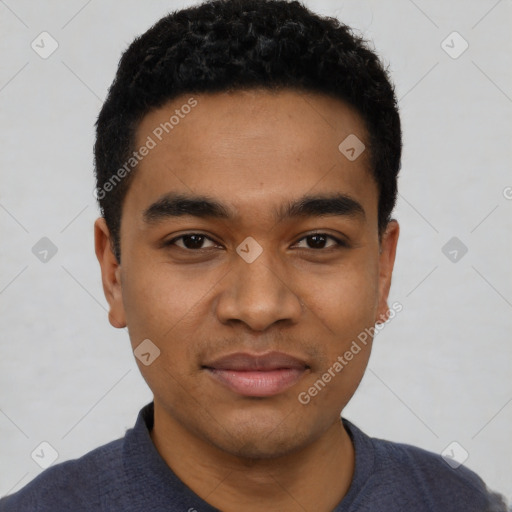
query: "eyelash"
339, 243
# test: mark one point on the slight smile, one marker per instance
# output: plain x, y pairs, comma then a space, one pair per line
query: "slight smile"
257, 375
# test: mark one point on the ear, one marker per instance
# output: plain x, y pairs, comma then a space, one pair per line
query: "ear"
388, 246
110, 273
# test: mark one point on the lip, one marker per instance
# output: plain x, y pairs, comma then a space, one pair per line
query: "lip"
257, 374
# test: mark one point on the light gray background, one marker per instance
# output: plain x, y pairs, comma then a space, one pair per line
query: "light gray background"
440, 371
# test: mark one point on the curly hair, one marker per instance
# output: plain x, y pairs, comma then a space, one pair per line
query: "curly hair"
228, 45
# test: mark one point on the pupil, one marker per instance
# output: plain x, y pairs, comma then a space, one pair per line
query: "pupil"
196, 245
321, 243
197, 240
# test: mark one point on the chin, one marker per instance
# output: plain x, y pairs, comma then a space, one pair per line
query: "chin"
259, 439
257, 449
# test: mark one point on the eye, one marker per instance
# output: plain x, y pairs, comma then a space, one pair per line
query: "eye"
318, 241
191, 241
195, 241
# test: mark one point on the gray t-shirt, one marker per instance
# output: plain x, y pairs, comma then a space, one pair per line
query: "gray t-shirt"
129, 475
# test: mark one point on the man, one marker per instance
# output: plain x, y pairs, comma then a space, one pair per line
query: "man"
246, 162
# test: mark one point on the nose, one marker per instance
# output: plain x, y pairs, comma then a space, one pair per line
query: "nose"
258, 294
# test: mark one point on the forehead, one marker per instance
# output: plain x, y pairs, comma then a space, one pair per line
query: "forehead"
252, 149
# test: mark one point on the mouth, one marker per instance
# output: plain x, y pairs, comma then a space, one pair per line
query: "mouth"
257, 375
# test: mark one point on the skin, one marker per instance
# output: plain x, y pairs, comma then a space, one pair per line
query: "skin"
253, 151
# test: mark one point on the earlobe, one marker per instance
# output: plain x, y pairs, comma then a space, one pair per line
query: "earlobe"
387, 255
110, 273
114, 322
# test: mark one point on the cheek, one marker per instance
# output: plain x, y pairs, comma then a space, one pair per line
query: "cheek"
169, 306
158, 299
160, 307
343, 305
346, 298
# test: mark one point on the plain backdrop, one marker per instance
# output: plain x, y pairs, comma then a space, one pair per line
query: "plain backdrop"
440, 371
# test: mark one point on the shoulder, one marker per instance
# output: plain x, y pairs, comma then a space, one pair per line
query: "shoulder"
401, 477
76, 484
427, 476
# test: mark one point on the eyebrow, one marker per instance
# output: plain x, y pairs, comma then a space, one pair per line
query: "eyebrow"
178, 205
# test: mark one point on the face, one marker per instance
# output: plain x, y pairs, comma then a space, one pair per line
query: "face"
280, 254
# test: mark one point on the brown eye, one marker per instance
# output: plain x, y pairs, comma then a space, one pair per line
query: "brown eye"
317, 241
191, 241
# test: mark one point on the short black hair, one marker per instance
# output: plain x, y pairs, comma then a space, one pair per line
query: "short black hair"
229, 45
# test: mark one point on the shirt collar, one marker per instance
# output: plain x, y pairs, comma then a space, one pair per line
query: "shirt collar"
149, 478
151, 481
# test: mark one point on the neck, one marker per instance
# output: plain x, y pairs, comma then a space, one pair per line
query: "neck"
316, 477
